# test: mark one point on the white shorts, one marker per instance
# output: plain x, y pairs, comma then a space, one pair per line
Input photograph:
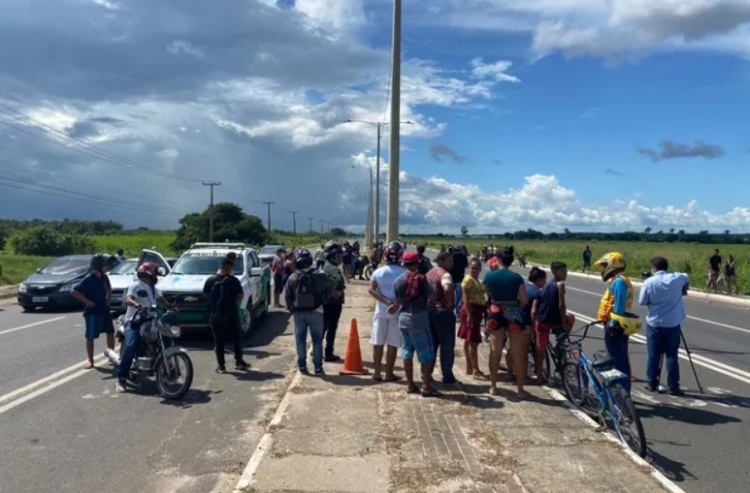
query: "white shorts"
386, 332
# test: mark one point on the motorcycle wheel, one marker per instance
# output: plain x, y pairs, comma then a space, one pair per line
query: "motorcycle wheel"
164, 375
367, 272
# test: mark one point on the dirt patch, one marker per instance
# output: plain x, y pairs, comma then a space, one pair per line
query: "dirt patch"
300, 389
425, 476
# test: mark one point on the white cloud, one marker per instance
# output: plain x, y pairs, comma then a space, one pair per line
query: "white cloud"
497, 70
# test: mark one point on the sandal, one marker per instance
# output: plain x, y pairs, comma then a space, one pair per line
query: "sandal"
412, 389
480, 376
393, 378
431, 393
377, 378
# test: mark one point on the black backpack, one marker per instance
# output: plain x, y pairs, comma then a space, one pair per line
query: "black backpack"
307, 293
424, 265
221, 302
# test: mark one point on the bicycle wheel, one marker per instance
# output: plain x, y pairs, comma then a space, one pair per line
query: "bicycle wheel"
626, 420
578, 390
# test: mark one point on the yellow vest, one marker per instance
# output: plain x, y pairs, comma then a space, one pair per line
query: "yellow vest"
608, 300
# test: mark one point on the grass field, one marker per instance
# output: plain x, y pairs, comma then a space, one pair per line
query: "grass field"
685, 257
15, 268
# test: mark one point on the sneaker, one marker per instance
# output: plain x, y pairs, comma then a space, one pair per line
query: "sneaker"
332, 358
319, 372
304, 371
121, 386
677, 392
651, 388
241, 365
221, 369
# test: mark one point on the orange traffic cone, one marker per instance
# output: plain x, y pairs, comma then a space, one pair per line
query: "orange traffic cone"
353, 357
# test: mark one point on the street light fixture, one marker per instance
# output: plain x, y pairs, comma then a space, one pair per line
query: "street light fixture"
379, 126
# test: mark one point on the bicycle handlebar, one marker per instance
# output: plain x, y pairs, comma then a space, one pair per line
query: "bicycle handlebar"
586, 330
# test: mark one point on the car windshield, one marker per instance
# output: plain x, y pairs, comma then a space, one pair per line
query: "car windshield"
202, 264
67, 266
269, 250
124, 268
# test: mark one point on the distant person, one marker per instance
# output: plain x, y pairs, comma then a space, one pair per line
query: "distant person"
536, 281
277, 271
225, 294
306, 291
385, 326
458, 272
616, 301
412, 294
320, 257
587, 259
714, 265
730, 275
121, 255
663, 295
442, 314
93, 291
425, 264
348, 260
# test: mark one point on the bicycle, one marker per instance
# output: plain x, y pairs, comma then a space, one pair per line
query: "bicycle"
612, 403
556, 354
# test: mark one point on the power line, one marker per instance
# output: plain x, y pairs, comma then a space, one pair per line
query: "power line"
211, 185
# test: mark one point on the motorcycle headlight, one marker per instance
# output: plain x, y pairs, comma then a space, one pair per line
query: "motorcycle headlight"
22, 288
175, 330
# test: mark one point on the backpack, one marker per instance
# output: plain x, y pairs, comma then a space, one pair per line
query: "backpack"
424, 265
221, 302
413, 292
308, 293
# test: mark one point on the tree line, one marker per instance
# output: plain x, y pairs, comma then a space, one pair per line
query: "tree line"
648, 235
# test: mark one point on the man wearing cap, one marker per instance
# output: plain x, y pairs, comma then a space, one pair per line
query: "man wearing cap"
442, 314
93, 291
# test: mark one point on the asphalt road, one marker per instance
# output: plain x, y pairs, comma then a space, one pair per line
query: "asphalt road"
65, 429
699, 441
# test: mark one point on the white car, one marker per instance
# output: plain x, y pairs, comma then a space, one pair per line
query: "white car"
120, 279
183, 283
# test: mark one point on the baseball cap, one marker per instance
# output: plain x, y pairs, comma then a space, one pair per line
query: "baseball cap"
411, 258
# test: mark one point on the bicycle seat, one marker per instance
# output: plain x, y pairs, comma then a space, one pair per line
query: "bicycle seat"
602, 361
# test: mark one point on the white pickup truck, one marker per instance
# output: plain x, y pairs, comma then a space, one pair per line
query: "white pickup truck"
183, 283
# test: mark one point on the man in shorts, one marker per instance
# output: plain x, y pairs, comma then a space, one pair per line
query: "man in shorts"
277, 270
714, 265
412, 293
93, 291
385, 328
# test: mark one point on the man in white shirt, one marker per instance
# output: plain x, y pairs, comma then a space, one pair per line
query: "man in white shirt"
142, 295
385, 327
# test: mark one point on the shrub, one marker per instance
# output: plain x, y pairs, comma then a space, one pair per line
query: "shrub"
44, 241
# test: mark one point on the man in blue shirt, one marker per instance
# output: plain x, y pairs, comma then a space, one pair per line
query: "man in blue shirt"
93, 291
662, 294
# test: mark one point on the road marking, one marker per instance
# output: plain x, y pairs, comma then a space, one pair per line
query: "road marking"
266, 441
697, 319
709, 363
35, 324
7, 407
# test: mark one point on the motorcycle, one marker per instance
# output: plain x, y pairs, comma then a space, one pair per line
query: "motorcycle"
157, 354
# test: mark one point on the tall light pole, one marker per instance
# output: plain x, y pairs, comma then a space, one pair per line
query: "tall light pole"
394, 156
211, 185
380, 126
311, 220
294, 220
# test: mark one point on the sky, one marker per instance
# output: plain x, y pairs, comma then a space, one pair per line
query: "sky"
590, 115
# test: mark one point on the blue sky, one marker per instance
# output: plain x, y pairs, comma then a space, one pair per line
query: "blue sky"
546, 114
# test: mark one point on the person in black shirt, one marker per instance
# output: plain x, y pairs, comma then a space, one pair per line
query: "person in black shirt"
94, 292
714, 263
224, 292
425, 264
587, 259
458, 272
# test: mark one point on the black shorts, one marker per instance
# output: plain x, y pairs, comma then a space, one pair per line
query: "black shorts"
278, 283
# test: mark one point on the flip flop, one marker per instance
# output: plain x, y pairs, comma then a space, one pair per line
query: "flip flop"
377, 379
431, 393
413, 389
393, 378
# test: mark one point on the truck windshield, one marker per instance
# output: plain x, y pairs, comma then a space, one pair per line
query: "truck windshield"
202, 264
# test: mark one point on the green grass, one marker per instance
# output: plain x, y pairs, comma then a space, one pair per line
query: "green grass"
16, 268
685, 257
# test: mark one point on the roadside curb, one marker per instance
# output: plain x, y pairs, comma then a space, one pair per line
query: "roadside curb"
700, 295
8, 291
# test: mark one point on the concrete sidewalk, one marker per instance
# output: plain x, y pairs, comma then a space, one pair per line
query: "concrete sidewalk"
341, 434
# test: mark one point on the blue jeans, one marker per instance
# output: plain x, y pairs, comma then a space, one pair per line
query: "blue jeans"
132, 336
312, 320
459, 297
662, 341
617, 348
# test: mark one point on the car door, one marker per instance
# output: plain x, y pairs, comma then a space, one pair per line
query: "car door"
254, 270
155, 258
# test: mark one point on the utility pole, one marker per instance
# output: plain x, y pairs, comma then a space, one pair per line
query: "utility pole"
294, 220
393, 169
311, 220
377, 187
321, 226
211, 185
269, 204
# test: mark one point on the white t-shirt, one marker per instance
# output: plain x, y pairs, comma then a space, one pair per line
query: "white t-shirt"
386, 277
152, 294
